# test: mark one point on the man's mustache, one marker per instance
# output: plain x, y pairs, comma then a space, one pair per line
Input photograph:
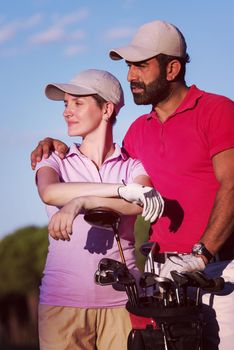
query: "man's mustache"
136, 84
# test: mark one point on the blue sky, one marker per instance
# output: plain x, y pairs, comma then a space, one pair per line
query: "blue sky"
45, 41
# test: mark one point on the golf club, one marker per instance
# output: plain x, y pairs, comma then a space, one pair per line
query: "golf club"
149, 249
165, 287
111, 271
109, 264
209, 284
105, 272
181, 281
107, 219
193, 282
147, 279
104, 278
124, 277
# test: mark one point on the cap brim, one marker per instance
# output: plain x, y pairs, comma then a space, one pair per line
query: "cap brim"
132, 53
56, 91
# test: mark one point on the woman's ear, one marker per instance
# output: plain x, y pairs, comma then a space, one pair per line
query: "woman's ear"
108, 110
173, 69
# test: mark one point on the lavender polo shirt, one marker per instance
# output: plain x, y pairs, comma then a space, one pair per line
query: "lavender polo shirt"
68, 278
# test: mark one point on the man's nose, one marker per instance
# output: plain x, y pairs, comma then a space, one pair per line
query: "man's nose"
132, 73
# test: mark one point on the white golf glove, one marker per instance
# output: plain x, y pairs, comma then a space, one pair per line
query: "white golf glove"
147, 197
182, 263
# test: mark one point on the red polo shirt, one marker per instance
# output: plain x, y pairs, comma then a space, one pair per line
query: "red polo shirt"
177, 155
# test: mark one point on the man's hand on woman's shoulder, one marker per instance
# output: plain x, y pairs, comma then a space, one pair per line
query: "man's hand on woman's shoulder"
44, 149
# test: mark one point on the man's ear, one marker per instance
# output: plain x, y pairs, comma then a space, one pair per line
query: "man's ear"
108, 110
173, 69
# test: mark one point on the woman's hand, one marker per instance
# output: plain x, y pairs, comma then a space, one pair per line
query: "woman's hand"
60, 225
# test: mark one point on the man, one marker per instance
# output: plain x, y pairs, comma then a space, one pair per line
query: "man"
186, 144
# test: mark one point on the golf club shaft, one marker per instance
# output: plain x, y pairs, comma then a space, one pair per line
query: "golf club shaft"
119, 246
164, 337
198, 296
130, 295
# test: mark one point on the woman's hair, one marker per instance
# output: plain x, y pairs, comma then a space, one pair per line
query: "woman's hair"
163, 61
100, 102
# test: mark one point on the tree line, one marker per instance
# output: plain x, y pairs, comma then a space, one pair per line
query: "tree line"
22, 257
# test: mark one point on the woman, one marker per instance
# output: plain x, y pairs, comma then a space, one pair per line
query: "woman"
74, 312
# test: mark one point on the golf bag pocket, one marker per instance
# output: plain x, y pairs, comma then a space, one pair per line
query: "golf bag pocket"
160, 328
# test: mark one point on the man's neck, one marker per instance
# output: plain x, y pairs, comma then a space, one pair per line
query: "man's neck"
167, 107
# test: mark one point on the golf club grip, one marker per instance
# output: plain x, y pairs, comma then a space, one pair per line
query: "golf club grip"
214, 285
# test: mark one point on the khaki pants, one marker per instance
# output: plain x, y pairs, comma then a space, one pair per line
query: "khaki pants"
68, 328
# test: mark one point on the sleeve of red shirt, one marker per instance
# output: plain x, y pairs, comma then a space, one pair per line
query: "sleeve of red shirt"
221, 126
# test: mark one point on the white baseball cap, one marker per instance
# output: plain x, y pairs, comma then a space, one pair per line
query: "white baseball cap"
150, 40
89, 82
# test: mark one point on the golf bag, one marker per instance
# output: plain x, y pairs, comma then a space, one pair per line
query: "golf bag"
171, 321
165, 328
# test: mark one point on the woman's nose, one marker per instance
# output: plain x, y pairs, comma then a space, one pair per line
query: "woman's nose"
67, 112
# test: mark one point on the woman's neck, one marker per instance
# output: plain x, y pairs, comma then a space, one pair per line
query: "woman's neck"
98, 148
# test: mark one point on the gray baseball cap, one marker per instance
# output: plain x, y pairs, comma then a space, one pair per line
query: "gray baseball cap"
89, 82
150, 40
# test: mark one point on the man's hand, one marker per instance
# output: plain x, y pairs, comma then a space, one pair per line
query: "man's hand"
45, 147
182, 263
147, 197
60, 225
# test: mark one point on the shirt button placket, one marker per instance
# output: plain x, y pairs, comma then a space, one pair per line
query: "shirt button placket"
162, 140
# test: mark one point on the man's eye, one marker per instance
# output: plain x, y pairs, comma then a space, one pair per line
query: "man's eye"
141, 65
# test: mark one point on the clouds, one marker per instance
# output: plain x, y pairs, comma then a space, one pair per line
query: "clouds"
10, 30
74, 50
120, 33
50, 35
61, 29
45, 30
23, 35
55, 34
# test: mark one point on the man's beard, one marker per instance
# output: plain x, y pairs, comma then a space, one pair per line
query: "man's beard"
155, 92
